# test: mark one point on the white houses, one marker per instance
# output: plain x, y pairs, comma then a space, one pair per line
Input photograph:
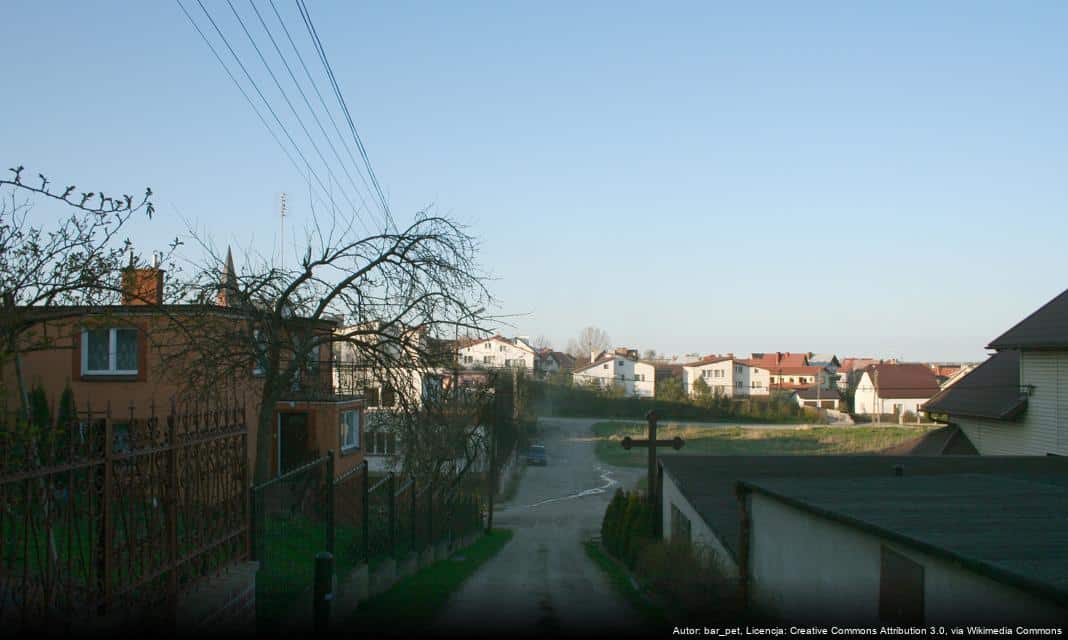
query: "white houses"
913, 551
894, 389
727, 376
497, 352
633, 377
1016, 403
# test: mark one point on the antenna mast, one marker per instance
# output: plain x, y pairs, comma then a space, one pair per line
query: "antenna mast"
282, 230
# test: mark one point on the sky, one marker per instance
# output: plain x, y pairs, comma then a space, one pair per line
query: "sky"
868, 179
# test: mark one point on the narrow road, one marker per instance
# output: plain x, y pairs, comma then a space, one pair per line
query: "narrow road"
543, 582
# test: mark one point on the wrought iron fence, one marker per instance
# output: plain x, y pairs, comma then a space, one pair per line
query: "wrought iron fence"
105, 518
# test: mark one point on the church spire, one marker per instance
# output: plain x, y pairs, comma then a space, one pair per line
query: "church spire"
228, 289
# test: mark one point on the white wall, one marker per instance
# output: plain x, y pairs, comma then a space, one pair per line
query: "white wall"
729, 378
621, 371
500, 350
1043, 427
867, 401
806, 568
704, 540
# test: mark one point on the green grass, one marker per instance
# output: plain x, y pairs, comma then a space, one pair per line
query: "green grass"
619, 578
738, 441
416, 600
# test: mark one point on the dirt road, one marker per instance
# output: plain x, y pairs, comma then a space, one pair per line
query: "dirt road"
543, 582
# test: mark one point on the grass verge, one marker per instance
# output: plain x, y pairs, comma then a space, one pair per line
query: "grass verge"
733, 440
415, 601
619, 578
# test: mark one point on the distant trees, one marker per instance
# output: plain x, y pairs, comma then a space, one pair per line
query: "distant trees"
670, 390
589, 340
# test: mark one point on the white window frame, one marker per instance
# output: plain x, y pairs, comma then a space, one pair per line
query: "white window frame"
345, 415
113, 354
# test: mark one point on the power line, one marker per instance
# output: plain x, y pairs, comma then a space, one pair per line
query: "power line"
267, 103
293, 109
344, 107
322, 100
307, 102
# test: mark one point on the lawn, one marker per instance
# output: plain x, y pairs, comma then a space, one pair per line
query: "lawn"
415, 601
731, 440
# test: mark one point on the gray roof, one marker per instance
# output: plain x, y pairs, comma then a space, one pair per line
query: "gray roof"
944, 441
991, 390
1010, 530
812, 393
1046, 328
709, 481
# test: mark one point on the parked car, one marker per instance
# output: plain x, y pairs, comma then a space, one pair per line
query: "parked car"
536, 455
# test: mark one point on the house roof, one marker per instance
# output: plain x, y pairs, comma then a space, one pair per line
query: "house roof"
991, 390
593, 364
814, 392
998, 527
1046, 328
943, 441
708, 482
793, 370
823, 359
903, 380
707, 361
464, 343
779, 359
849, 364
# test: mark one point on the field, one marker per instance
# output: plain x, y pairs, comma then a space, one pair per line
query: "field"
734, 440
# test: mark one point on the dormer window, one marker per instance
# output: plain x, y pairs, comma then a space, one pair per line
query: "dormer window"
109, 352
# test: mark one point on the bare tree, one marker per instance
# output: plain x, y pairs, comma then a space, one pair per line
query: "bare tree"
384, 304
49, 261
589, 340
541, 342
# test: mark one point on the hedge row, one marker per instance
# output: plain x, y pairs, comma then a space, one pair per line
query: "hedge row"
628, 526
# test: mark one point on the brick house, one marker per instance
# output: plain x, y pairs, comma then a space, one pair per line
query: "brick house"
123, 356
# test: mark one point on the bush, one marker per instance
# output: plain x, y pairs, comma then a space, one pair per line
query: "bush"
685, 578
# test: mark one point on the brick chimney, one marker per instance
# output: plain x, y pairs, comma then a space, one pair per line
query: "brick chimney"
142, 285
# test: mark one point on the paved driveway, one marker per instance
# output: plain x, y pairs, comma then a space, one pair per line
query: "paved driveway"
543, 582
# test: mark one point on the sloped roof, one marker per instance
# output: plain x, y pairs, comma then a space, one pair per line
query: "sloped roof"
849, 364
1046, 328
708, 481
779, 359
903, 380
707, 361
997, 527
823, 359
991, 390
944, 441
814, 392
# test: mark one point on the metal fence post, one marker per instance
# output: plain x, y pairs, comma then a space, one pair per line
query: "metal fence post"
330, 533
323, 593
365, 520
106, 525
412, 490
392, 516
172, 516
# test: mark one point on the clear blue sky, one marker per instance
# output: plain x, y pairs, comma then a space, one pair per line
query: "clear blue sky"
884, 179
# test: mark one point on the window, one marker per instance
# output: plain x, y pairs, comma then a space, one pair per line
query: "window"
389, 397
488, 359
489, 346
260, 366
381, 443
604, 366
719, 373
621, 363
501, 348
109, 352
350, 430
468, 359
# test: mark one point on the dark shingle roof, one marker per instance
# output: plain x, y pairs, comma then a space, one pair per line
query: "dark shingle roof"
1046, 328
991, 390
709, 482
1007, 529
944, 441
813, 392
903, 380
